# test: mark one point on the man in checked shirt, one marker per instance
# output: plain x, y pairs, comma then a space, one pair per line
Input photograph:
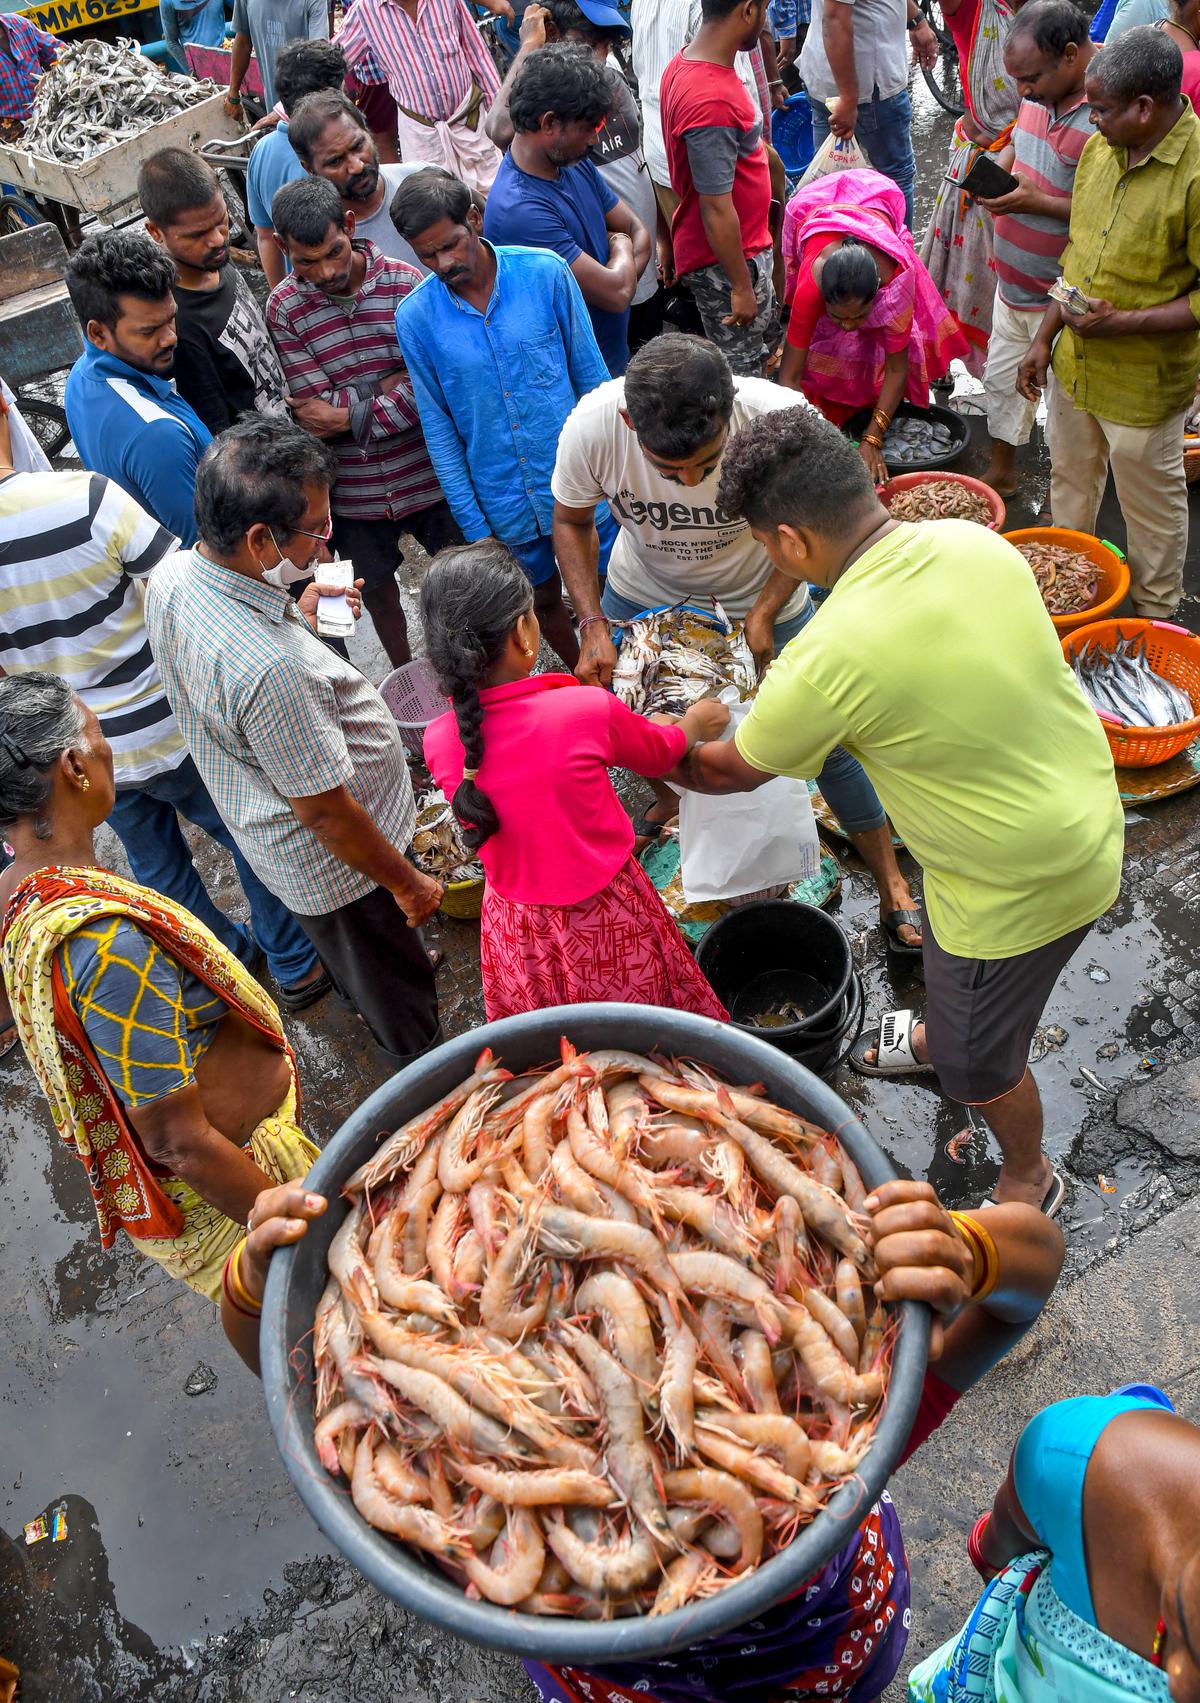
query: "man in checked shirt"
333, 323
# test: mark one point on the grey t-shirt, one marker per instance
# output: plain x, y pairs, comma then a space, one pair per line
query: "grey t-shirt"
880, 50
269, 23
617, 155
379, 228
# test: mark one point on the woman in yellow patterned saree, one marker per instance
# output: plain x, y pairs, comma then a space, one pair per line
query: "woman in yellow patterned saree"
164, 1063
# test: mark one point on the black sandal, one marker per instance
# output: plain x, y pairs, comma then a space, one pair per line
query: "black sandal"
298, 997
644, 828
8, 1037
893, 923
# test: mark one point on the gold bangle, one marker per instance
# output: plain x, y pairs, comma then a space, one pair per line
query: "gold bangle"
875, 443
985, 1261
883, 419
239, 1294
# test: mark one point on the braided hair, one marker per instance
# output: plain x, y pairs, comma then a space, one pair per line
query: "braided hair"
40, 718
471, 599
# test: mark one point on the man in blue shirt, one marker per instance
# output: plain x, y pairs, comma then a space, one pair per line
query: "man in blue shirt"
549, 194
126, 418
201, 24
499, 348
302, 68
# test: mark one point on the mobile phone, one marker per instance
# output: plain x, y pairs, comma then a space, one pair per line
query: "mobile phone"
335, 618
986, 181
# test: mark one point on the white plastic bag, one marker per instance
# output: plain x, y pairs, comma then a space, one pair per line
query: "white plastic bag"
836, 153
745, 842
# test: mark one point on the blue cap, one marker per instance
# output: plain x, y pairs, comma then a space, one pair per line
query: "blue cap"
604, 16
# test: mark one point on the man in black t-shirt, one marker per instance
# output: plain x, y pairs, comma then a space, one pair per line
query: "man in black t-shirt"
225, 364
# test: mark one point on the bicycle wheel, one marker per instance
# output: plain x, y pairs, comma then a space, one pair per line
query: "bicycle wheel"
48, 423
944, 80
17, 212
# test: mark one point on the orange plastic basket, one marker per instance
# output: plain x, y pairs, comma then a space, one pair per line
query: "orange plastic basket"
1172, 652
1114, 571
939, 475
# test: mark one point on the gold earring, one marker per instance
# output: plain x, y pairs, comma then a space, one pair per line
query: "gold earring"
525, 651
85, 783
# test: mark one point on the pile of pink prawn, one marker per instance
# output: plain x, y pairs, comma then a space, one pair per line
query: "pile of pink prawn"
600, 1340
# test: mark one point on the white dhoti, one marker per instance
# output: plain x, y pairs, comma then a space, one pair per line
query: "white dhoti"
459, 143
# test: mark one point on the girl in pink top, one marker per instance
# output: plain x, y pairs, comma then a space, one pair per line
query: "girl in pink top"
569, 915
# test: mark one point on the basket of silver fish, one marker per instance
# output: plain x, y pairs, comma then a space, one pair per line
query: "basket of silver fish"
100, 111
918, 438
584, 1360
1082, 579
942, 496
1142, 678
437, 848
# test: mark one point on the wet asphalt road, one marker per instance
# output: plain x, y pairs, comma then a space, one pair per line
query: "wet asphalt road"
189, 1572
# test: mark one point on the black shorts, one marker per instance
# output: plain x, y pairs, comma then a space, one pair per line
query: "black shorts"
379, 966
981, 1013
374, 545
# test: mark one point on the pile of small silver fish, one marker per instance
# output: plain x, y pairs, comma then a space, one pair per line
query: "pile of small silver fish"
939, 499
437, 846
1121, 683
668, 662
916, 438
97, 94
1067, 579
602, 1338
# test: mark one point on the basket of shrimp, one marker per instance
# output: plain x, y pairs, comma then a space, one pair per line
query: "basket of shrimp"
1142, 678
942, 496
584, 1360
1081, 578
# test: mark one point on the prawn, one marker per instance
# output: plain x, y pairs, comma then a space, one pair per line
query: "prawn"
826, 1366
853, 1189
468, 1264
591, 1151
516, 1562
760, 1114
850, 1300
626, 1324
401, 1481
627, 1110
710, 1217
418, 1526
482, 1522
717, 1348
497, 1298
787, 1226
832, 1320
723, 1279
399, 1150
484, 1205
683, 1579
445, 1232
573, 1183
444, 1405
872, 1340
630, 1459
574, 1235
348, 1415
406, 1294
561, 1303
605, 1570
774, 1432
348, 1263
456, 1172
676, 1398
758, 1374
728, 1499
553, 1487
753, 1468
537, 1141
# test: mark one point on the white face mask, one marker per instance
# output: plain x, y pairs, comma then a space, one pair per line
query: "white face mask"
286, 572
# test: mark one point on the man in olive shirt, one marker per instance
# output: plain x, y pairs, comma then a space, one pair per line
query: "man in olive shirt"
982, 749
1124, 372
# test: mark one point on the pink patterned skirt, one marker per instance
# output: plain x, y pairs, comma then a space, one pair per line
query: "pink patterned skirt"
619, 946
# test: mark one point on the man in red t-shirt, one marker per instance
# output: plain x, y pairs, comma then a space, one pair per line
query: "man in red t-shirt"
721, 231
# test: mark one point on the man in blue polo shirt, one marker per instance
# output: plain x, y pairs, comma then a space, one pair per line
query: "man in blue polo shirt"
549, 194
125, 416
499, 349
302, 68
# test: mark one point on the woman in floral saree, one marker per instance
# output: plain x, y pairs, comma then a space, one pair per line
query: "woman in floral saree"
958, 242
867, 327
1092, 1550
163, 1061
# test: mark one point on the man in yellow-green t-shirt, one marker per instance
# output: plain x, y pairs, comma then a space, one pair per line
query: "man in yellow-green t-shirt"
933, 661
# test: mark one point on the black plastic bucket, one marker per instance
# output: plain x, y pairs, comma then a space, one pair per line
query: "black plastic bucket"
775, 943
298, 1274
824, 1053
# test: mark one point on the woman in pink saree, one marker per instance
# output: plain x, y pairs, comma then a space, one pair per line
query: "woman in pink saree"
868, 327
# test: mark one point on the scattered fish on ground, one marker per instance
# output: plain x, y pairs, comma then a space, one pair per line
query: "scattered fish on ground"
1067, 579
1121, 684
604, 1345
939, 499
99, 93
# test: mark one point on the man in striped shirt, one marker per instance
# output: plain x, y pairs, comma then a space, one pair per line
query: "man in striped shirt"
334, 326
436, 64
75, 551
1047, 55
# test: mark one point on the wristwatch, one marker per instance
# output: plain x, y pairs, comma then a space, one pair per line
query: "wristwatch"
915, 23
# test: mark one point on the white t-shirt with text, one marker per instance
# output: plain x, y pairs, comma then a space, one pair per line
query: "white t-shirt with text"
675, 543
